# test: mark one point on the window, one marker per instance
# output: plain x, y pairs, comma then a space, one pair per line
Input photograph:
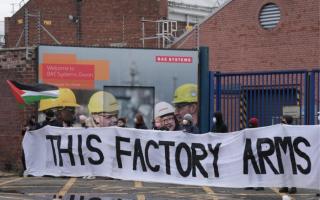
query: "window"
269, 16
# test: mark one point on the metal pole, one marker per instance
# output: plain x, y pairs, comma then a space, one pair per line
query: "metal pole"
39, 28
311, 95
143, 32
26, 28
204, 91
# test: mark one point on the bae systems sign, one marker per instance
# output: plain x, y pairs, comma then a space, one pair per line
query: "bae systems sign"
273, 156
174, 59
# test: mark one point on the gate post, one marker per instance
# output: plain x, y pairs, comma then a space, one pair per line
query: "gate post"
211, 98
203, 97
218, 91
311, 95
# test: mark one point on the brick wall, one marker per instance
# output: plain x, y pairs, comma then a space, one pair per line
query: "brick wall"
101, 22
238, 43
13, 65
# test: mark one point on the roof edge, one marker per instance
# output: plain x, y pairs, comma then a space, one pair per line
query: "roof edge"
187, 34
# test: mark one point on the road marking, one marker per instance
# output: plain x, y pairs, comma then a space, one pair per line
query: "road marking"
10, 181
65, 188
276, 190
16, 198
138, 184
209, 191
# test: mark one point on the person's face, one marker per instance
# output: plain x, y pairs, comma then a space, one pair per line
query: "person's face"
67, 114
120, 123
283, 121
168, 122
183, 109
104, 119
157, 123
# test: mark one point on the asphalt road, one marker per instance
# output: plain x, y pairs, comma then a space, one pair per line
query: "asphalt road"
46, 188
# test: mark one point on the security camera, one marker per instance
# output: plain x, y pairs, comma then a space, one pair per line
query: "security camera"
71, 17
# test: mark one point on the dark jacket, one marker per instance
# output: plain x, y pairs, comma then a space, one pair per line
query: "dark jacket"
190, 129
140, 126
219, 126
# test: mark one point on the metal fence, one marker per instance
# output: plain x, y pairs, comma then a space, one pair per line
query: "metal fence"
266, 96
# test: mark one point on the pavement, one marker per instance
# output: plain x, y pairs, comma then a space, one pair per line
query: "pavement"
13, 187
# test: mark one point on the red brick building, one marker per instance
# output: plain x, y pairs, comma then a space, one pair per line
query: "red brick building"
237, 41
14, 66
84, 22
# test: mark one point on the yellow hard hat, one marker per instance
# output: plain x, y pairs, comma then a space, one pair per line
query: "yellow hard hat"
103, 102
46, 104
186, 93
66, 98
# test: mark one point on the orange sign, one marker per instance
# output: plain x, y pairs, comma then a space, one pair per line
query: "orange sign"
65, 70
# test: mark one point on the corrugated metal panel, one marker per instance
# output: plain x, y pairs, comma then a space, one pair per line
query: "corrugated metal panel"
269, 16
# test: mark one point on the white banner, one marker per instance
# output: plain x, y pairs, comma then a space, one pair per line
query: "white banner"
273, 156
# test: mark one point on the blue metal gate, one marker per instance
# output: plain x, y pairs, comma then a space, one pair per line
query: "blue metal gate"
264, 95
314, 96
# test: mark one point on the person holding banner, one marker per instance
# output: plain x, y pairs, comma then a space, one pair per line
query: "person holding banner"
63, 108
218, 124
185, 101
166, 113
287, 119
104, 110
254, 123
187, 125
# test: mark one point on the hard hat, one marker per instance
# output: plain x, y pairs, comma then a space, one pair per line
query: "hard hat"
46, 104
66, 98
162, 108
103, 102
186, 93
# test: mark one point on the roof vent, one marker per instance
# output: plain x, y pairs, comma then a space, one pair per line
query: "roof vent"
269, 16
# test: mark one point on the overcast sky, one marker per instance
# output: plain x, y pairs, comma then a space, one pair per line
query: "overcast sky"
6, 10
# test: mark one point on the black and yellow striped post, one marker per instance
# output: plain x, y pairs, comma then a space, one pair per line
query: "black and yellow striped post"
243, 110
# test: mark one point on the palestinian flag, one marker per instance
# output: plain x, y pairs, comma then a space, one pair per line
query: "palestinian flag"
27, 94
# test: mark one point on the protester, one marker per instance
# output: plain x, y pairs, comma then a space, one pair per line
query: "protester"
187, 125
287, 119
49, 119
122, 122
63, 108
218, 124
82, 120
104, 109
156, 124
185, 101
166, 113
139, 122
254, 123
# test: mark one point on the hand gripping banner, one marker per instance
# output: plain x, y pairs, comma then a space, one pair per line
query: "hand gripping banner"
273, 156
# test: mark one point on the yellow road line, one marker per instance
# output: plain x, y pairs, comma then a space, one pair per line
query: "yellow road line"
138, 184
10, 181
65, 188
276, 190
209, 191
140, 197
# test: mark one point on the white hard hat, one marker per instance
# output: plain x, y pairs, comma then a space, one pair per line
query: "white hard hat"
163, 108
